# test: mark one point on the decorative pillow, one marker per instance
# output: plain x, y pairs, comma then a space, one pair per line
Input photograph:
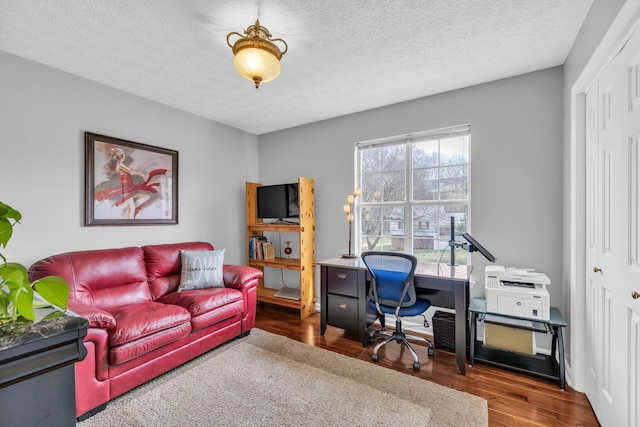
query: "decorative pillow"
201, 269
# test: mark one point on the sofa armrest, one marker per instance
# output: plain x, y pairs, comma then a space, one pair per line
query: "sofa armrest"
97, 318
239, 276
244, 279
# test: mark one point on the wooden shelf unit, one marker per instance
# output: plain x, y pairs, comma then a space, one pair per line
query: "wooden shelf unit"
305, 264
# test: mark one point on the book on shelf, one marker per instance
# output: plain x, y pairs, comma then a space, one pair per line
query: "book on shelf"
261, 248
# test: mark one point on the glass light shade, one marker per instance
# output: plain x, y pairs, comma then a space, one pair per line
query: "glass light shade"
256, 64
350, 199
347, 209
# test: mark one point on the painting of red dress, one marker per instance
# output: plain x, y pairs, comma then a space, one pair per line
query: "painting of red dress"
129, 183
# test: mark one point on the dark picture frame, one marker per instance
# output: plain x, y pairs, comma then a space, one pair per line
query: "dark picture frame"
129, 183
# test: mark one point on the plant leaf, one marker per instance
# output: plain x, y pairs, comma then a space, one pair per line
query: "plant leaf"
6, 230
4, 305
14, 266
7, 211
53, 315
13, 275
23, 304
20, 295
53, 289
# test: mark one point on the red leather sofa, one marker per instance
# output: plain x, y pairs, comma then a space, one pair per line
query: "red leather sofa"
140, 326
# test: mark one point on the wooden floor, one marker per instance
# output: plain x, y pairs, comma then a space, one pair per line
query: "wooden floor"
514, 399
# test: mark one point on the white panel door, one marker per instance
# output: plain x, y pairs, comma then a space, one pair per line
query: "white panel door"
592, 239
610, 246
629, 287
613, 240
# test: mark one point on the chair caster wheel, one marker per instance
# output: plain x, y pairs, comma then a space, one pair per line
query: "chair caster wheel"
374, 357
431, 351
416, 366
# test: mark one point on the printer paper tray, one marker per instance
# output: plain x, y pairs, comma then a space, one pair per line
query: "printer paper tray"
528, 325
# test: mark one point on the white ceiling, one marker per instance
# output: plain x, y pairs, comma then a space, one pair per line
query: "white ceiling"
344, 56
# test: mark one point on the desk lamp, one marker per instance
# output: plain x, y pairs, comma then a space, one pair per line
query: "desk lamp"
348, 209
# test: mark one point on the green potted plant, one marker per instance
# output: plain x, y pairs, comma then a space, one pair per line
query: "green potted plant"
16, 292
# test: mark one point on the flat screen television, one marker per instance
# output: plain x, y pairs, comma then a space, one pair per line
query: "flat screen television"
278, 201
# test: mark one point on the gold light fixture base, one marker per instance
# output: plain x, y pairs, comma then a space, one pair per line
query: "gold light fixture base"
256, 55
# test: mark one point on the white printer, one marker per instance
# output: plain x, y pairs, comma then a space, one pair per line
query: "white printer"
516, 292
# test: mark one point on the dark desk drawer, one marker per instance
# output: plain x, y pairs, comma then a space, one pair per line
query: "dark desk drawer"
342, 312
343, 281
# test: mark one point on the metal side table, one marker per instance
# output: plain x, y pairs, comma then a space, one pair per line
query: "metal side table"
542, 365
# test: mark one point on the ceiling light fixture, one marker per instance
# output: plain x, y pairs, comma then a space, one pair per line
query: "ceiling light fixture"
257, 58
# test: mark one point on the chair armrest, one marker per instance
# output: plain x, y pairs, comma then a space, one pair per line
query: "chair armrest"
239, 276
97, 318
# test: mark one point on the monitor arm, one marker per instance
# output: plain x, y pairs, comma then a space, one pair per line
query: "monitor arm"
469, 247
453, 244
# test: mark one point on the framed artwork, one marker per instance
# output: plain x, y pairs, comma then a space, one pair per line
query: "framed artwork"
129, 183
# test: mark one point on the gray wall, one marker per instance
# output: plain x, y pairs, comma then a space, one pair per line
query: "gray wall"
516, 165
45, 113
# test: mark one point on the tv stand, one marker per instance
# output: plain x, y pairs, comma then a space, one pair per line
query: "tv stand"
305, 264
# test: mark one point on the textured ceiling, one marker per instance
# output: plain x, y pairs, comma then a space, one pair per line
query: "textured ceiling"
344, 56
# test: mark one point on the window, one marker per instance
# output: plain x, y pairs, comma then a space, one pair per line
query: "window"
411, 187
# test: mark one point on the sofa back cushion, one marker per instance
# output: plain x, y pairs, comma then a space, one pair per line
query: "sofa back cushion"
164, 265
107, 278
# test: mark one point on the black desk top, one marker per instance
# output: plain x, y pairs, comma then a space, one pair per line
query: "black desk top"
425, 269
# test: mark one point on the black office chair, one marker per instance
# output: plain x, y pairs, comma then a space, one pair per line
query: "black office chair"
392, 292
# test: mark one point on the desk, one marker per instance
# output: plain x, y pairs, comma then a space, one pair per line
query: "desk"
344, 284
545, 366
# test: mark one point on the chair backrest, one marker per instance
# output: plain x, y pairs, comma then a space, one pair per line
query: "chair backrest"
392, 275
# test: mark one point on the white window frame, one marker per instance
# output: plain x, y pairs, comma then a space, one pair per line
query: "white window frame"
408, 203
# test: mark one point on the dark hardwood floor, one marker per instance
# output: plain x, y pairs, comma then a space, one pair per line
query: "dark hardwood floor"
514, 399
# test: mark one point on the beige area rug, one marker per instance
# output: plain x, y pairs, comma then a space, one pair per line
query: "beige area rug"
270, 380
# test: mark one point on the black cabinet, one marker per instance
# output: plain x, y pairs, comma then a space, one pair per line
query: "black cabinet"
37, 379
343, 300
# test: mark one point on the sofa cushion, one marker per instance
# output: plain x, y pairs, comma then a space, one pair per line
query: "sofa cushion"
201, 269
163, 265
136, 321
220, 317
104, 278
163, 341
225, 302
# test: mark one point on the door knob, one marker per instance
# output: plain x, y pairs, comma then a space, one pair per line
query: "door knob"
597, 270
635, 295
